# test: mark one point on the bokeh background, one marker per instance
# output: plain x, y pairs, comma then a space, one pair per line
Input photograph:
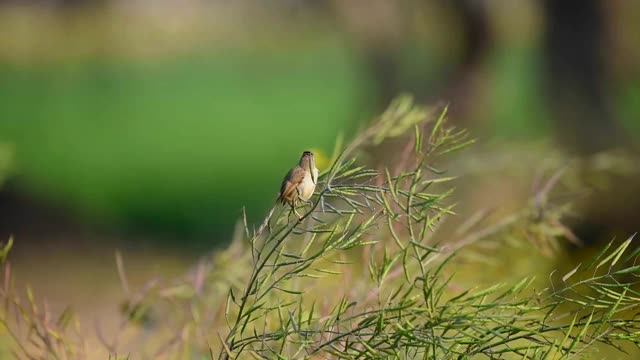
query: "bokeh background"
148, 126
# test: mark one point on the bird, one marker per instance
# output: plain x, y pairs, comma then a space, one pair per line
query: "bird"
297, 186
300, 182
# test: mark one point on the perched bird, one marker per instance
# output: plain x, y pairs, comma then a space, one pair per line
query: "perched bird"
300, 181
297, 186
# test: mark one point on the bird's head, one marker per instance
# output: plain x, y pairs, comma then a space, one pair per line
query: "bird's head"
307, 159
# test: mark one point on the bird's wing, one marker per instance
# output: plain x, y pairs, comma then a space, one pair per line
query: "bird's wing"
290, 183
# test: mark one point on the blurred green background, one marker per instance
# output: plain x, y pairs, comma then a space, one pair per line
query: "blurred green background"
176, 145
164, 120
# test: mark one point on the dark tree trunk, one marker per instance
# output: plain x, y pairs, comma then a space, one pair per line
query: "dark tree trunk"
579, 103
576, 78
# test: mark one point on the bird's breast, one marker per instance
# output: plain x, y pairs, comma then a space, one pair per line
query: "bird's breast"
308, 185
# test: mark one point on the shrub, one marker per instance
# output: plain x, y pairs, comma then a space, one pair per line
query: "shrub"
360, 276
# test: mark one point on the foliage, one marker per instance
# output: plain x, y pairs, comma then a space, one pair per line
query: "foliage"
360, 276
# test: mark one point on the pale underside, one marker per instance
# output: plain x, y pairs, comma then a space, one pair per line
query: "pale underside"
308, 185
298, 185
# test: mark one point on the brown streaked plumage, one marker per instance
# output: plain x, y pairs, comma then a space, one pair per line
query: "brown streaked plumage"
298, 185
300, 181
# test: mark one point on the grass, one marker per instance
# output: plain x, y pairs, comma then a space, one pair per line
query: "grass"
360, 276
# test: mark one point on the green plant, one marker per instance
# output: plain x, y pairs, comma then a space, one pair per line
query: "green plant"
361, 276
400, 306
